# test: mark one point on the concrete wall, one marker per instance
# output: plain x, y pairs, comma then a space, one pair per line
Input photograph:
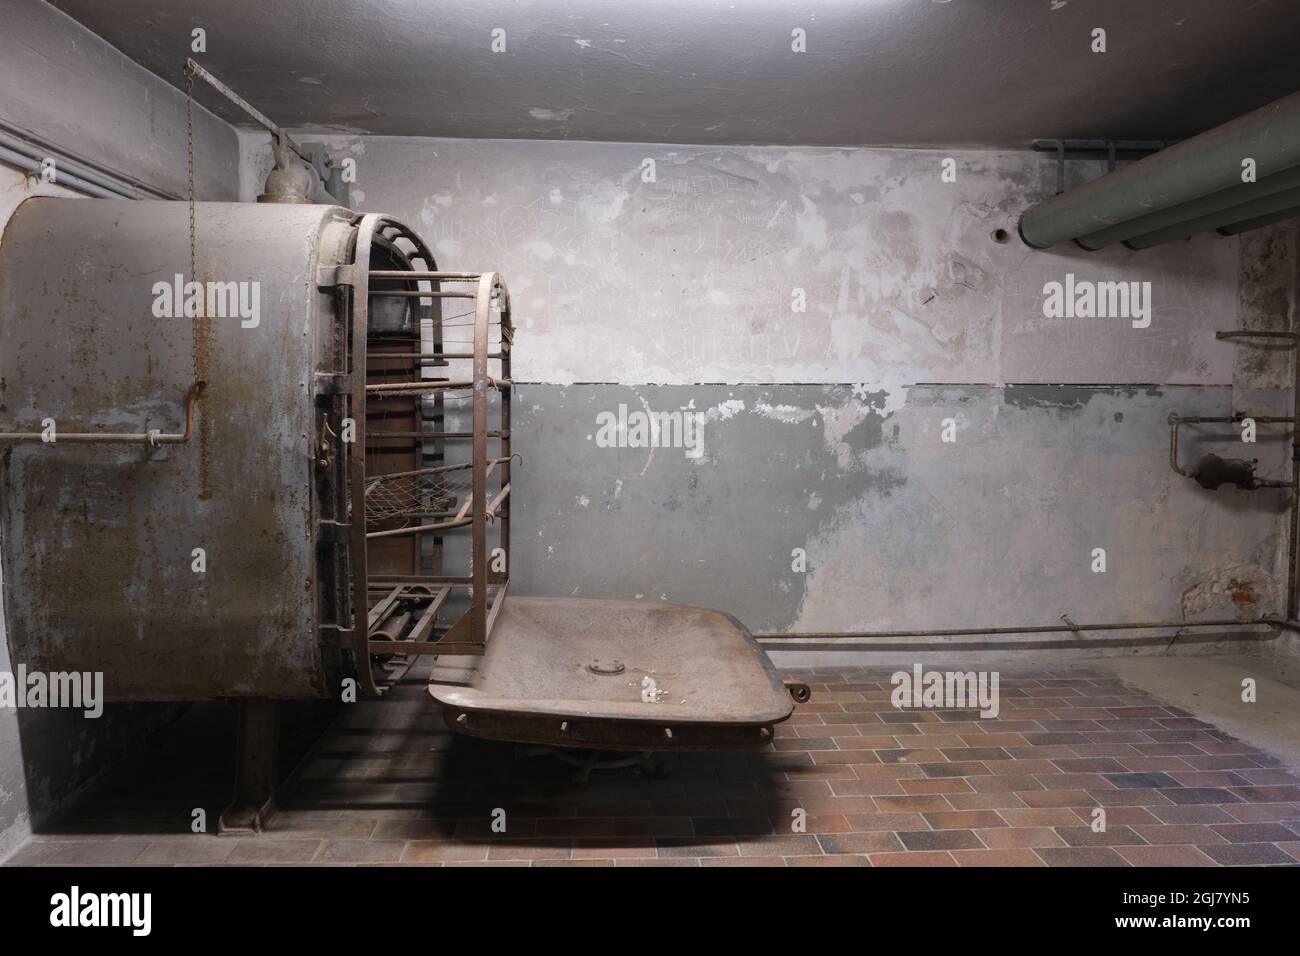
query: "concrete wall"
823, 428
65, 85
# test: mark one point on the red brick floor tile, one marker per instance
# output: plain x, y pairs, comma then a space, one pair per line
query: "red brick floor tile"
1081, 856
1017, 837
1004, 783
964, 820
1193, 813
1111, 836
613, 850
254, 851
984, 801
926, 859
696, 848
940, 840
1129, 816
1263, 812
1247, 854
913, 804
867, 842
1253, 832
440, 851
783, 845
845, 859
1197, 833
945, 785
744, 861
997, 857
1164, 856
1041, 816
360, 851
886, 821
1057, 798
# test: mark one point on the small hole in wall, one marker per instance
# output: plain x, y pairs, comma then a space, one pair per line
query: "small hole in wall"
999, 235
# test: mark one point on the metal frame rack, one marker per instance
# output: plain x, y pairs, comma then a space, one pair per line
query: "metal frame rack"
415, 613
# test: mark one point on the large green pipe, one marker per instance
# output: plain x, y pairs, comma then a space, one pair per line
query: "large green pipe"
1210, 208
1233, 228
1248, 211
1192, 170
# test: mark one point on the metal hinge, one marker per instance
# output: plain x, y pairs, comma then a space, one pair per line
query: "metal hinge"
333, 383
335, 634
330, 276
332, 532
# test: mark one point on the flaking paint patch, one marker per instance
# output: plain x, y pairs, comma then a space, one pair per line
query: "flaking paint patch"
784, 413
1243, 589
1067, 396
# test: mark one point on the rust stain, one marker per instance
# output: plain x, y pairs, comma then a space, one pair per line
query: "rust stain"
1243, 594
202, 351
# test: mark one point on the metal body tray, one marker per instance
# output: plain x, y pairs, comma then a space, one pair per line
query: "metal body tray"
614, 675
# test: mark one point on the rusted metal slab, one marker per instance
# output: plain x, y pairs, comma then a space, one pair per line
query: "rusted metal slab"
614, 675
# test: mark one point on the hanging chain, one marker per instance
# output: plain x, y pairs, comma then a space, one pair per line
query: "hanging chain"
189, 158
200, 320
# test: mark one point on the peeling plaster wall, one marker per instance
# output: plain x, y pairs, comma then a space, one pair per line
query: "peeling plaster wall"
823, 428
900, 529
71, 88
690, 278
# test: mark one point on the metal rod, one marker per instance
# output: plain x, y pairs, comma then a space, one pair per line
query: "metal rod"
478, 541
431, 471
424, 626
1293, 543
411, 274
33, 167
380, 610
796, 636
457, 648
507, 330
433, 385
429, 355
420, 294
1178, 422
73, 170
1248, 334
152, 437
502, 495
358, 557
450, 435
260, 117
393, 626
417, 529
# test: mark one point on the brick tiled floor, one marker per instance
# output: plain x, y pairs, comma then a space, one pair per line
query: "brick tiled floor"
872, 785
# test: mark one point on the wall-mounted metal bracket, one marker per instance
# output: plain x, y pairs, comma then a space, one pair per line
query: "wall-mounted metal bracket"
1111, 150
1292, 337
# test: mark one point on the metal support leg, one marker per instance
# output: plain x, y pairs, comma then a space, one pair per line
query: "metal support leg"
254, 800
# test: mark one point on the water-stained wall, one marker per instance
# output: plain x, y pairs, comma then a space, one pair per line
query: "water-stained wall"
831, 316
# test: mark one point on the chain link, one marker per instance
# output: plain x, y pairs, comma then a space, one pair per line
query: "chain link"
198, 327
189, 153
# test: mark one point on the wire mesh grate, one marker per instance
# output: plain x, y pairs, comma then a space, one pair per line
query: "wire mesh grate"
424, 493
